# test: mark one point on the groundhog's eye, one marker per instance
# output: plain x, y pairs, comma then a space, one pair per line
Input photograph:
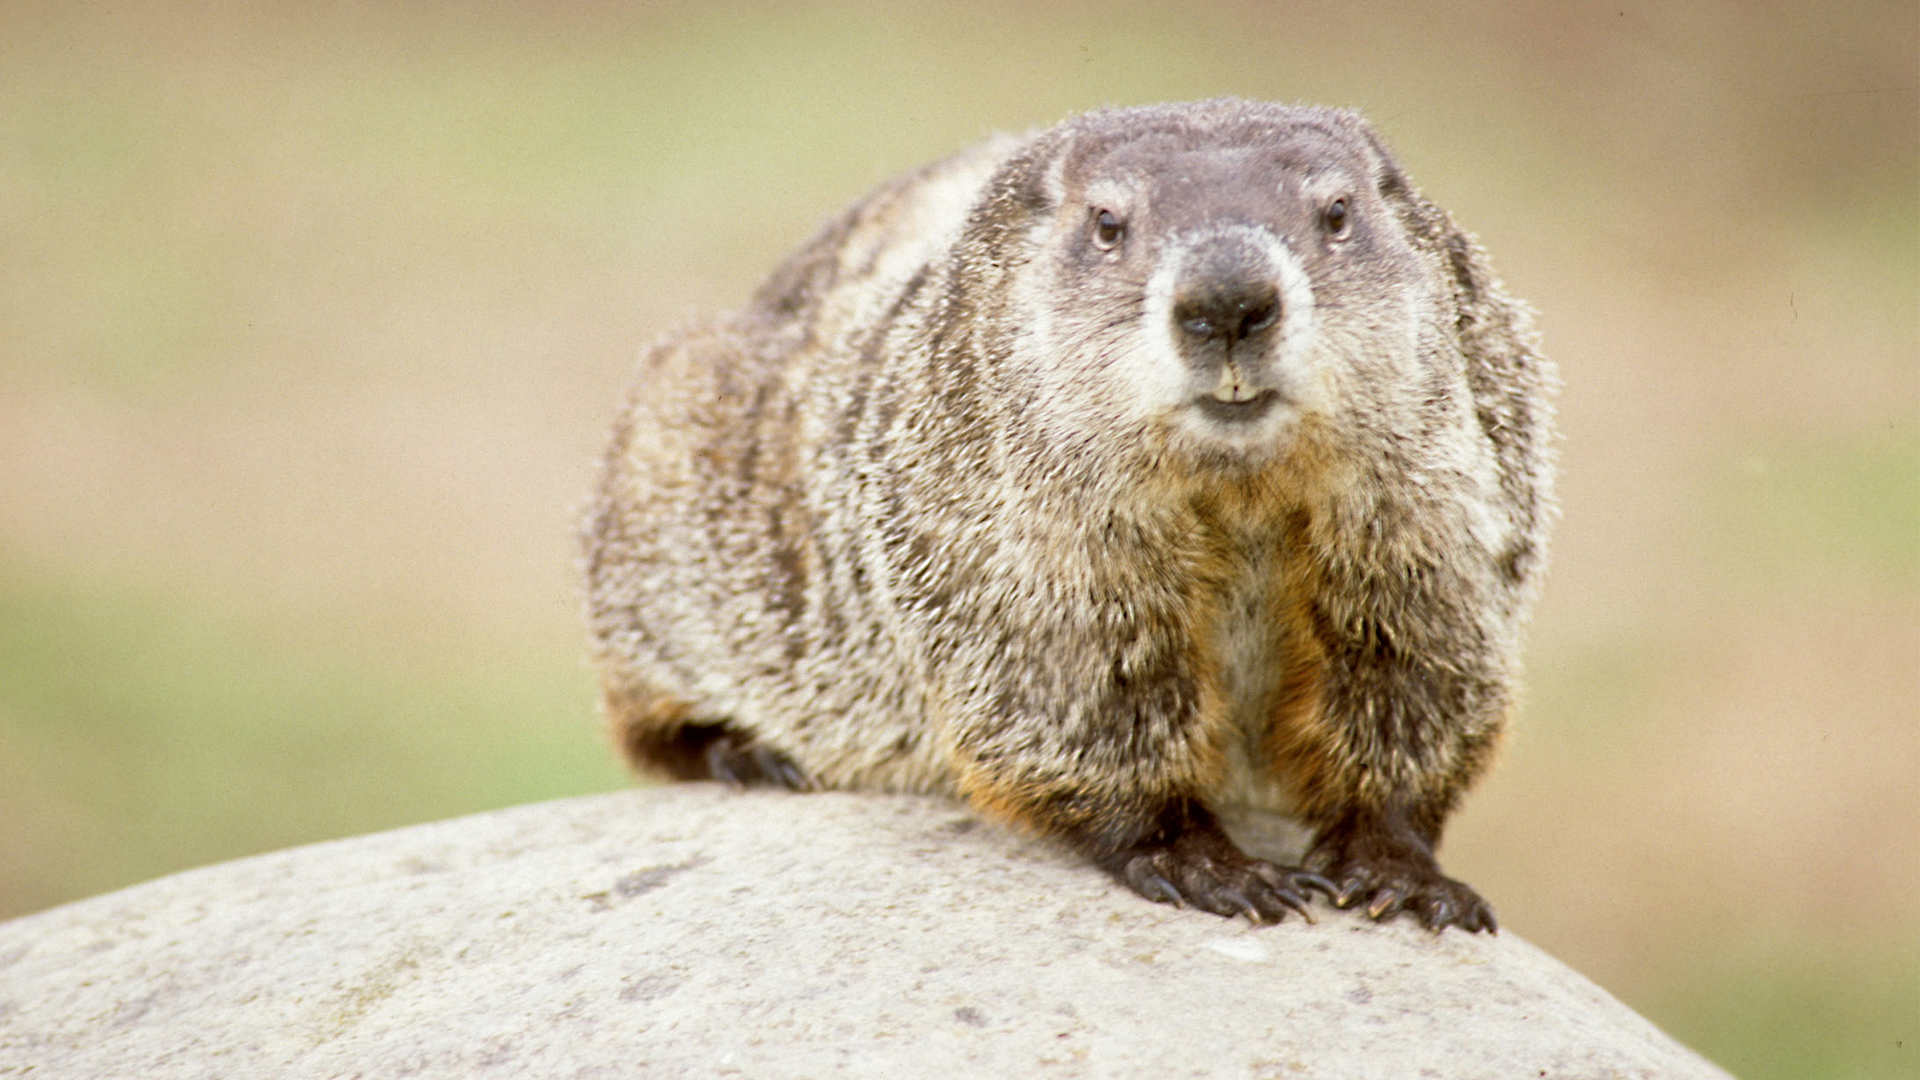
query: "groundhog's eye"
1108, 230
1337, 216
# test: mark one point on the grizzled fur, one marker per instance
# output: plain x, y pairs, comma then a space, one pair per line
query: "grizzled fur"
1171, 461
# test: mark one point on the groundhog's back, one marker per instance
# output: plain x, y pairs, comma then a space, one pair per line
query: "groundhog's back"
714, 590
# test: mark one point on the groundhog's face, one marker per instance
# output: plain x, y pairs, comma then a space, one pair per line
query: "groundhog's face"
1232, 296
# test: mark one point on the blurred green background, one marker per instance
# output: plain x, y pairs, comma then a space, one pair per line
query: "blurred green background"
312, 318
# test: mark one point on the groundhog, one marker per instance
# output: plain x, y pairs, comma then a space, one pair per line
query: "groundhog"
1171, 462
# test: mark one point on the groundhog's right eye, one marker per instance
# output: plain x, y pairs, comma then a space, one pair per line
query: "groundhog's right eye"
1108, 230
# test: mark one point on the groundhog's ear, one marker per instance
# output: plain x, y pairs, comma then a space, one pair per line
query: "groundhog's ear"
1477, 292
1024, 188
1388, 180
1428, 225
1028, 183
1494, 331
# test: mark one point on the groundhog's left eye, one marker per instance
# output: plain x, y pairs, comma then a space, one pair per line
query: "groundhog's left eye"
1337, 217
1108, 230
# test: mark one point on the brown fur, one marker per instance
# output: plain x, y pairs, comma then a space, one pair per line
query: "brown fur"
1170, 461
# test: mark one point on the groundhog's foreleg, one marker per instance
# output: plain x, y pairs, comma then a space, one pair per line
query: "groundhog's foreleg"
1118, 772
1381, 760
1378, 858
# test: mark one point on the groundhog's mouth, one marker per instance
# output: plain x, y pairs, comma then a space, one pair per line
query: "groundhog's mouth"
1238, 412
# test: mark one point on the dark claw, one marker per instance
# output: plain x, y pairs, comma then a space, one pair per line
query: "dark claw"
1299, 904
1279, 903
1238, 903
1436, 913
1349, 890
1151, 884
1287, 888
1386, 902
781, 769
1307, 879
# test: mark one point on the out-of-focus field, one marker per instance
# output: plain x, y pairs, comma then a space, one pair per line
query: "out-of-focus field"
311, 322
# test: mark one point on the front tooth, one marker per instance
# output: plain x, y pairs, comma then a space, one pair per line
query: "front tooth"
1227, 390
1231, 392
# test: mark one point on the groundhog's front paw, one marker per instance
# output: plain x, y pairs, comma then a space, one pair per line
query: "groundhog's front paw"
1386, 871
1199, 867
1386, 890
1262, 891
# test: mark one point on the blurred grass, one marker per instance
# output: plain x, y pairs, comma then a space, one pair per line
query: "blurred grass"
1775, 1010
1814, 517
311, 321
140, 734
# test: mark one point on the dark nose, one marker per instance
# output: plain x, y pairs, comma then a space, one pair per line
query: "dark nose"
1224, 297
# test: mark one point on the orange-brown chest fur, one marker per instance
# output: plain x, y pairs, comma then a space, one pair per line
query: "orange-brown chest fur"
1261, 666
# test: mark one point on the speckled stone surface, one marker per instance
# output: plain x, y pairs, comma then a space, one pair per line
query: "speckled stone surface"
694, 931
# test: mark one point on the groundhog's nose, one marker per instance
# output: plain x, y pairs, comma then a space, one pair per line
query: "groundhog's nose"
1226, 307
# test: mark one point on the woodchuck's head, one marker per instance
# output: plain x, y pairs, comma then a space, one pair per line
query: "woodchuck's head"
1226, 281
